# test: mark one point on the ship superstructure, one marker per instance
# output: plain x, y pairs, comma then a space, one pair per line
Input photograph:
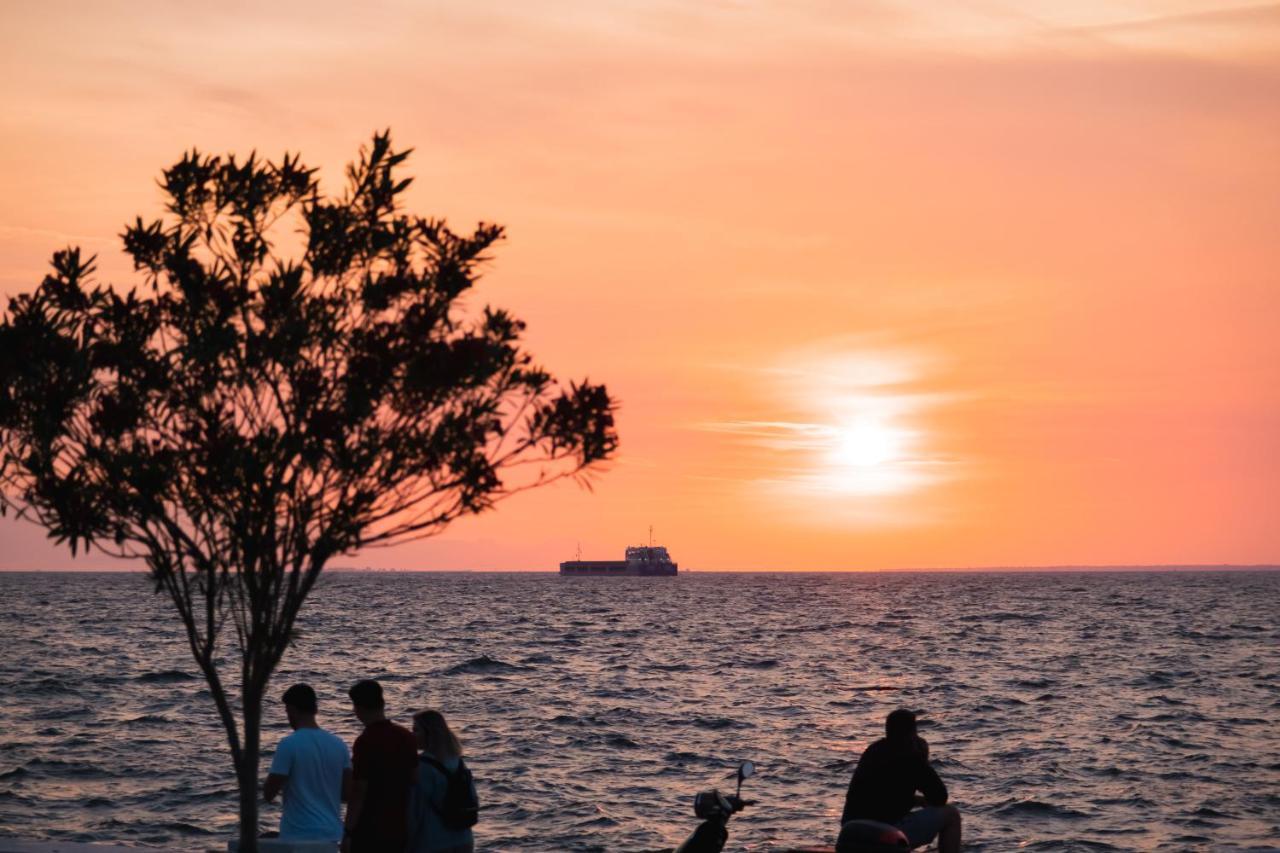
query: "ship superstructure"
642, 561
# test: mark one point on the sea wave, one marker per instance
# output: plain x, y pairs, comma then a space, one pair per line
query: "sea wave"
485, 665
1064, 711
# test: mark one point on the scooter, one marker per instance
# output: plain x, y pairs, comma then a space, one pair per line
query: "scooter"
715, 809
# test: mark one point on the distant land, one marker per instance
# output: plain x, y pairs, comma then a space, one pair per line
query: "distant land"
1225, 567
1207, 567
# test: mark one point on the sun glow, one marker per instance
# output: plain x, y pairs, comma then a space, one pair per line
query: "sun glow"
855, 431
867, 456
865, 444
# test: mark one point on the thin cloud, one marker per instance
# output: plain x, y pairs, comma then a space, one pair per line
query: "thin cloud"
1242, 17
863, 431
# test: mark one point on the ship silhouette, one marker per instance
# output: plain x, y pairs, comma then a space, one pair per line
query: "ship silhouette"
641, 561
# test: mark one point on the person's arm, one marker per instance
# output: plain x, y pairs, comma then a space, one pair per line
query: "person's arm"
930, 784
278, 775
852, 796
922, 747
355, 802
354, 786
275, 784
417, 808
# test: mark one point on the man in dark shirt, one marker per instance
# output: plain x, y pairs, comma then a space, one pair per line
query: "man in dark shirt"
890, 777
384, 759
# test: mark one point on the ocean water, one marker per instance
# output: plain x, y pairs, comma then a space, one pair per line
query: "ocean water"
1065, 711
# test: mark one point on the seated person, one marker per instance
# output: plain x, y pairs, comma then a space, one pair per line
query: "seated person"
893, 775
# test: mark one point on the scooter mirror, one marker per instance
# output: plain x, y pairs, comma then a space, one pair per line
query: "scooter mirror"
745, 769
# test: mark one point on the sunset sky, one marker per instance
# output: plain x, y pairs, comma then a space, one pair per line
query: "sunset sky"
878, 284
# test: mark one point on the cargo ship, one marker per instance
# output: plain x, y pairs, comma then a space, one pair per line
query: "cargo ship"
642, 561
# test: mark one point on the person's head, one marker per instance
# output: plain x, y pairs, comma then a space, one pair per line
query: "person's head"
366, 699
300, 704
900, 726
435, 736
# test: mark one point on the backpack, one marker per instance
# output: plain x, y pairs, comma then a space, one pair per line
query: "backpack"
460, 809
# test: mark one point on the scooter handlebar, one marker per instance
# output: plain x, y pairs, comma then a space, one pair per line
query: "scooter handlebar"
712, 803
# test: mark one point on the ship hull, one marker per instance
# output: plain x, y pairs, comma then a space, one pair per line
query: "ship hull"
616, 569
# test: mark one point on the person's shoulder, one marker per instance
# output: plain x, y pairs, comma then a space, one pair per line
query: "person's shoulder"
287, 745
290, 740
879, 756
403, 734
429, 772
388, 735
876, 748
436, 766
330, 739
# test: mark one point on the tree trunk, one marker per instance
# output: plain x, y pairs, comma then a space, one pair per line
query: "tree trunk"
247, 771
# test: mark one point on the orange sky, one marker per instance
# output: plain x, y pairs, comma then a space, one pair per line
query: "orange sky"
879, 284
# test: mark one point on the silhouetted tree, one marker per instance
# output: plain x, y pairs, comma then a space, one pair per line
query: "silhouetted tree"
252, 412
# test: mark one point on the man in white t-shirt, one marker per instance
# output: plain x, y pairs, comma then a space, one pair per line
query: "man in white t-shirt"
313, 768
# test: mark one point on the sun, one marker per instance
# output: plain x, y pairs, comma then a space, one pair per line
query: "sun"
865, 444
867, 456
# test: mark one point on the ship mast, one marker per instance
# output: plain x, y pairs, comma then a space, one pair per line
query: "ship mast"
650, 535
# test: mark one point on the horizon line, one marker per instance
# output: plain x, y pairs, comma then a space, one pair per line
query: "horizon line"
1006, 569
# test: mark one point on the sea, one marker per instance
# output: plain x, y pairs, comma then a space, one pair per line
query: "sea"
1064, 710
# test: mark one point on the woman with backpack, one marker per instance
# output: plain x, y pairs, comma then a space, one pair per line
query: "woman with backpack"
443, 805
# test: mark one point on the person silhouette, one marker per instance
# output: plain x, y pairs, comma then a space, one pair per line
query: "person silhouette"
384, 759
892, 777
312, 768
443, 806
